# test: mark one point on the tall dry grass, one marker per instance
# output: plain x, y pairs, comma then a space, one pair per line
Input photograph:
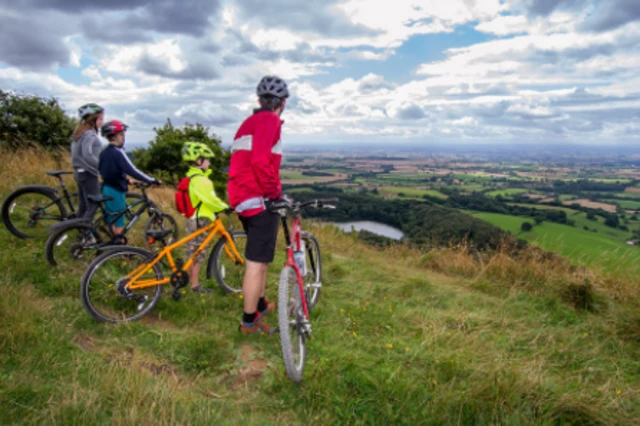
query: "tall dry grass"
28, 166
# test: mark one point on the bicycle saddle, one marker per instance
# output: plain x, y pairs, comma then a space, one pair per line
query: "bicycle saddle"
99, 198
57, 173
158, 235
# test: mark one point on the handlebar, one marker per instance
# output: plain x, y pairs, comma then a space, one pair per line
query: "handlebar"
144, 185
276, 206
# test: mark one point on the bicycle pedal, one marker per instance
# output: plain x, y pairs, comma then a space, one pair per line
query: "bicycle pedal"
176, 295
141, 301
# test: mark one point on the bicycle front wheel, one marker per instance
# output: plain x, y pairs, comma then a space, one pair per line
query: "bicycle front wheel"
292, 324
72, 247
227, 269
28, 212
105, 291
313, 274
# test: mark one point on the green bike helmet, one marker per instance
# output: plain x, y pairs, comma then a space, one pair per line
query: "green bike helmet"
191, 151
89, 109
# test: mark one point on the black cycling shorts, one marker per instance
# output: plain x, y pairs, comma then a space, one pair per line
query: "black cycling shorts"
262, 233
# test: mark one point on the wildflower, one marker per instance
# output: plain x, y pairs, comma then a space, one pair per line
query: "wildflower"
354, 333
389, 345
586, 334
342, 311
241, 297
406, 349
437, 361
618, 392
435, 382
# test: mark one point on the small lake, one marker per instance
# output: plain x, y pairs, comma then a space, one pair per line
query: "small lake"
373, 227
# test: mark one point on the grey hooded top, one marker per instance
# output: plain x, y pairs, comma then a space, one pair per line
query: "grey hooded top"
86, 151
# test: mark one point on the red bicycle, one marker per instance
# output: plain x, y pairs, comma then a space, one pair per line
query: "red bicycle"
299, 286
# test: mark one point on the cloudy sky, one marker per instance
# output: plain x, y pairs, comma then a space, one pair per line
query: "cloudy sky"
360, 71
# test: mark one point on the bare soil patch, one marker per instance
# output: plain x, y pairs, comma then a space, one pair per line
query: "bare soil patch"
592, 204
254, 366
632, 190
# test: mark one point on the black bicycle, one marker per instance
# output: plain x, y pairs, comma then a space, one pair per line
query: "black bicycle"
29, 210
77, 239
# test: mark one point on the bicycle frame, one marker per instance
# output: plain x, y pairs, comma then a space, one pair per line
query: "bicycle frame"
66, 195
214, 229
294, 239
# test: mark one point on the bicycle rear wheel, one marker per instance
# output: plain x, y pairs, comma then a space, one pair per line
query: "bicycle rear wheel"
313, 274
28, 212
104, 290
292, 324
72, 247
161, 222
228, 271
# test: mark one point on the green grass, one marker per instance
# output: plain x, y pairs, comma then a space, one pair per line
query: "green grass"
507, 193
544, 207
288, 175
605, 249
394, 343
506, 222
625, 204
631, 195
413, 192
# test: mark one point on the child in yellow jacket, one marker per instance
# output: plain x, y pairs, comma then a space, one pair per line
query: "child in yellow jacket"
204, 198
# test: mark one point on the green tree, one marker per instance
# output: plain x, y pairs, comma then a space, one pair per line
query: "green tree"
27, 120
163, 157
526, 226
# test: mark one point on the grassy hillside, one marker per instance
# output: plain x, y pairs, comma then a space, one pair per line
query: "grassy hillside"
600, 247
400, 337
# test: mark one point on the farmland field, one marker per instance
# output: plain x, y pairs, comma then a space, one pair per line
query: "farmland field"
582, 247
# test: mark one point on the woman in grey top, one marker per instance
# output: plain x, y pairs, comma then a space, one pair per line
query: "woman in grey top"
85, 151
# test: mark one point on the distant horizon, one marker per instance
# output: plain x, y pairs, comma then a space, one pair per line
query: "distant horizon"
401, 72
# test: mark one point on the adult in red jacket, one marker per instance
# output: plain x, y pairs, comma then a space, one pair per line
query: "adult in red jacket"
254, 179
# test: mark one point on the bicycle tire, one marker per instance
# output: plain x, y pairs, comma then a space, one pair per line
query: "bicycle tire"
54, 242
229, 279
156, 222
313, 277
100, 261
289, 323
8, 206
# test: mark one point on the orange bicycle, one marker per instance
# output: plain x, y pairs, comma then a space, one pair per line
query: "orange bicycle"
125, 283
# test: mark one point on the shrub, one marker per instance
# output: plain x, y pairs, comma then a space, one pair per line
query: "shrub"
526, 227
164, 155
26, 120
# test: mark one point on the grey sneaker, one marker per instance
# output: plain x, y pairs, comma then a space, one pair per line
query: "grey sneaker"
201, 290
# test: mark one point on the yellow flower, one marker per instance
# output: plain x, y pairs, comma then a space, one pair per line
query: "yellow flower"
618, 392
342, 310
406, 349
585, 334
435, 382
354, 333
437, 361
389, 345
241, 297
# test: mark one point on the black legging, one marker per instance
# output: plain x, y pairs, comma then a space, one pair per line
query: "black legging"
87, 185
